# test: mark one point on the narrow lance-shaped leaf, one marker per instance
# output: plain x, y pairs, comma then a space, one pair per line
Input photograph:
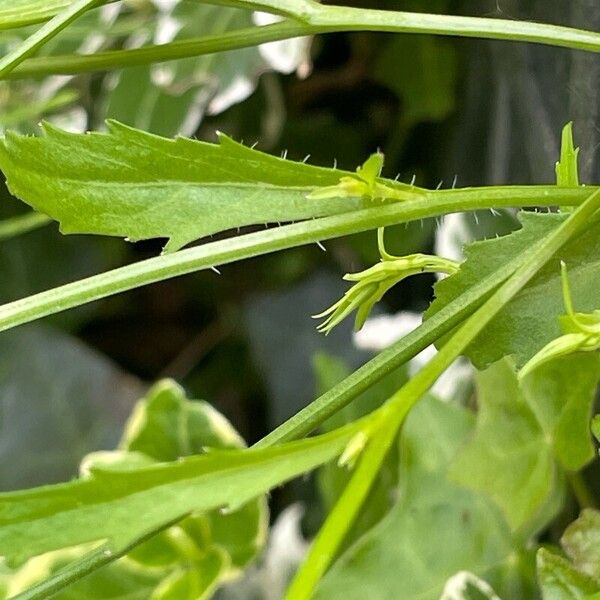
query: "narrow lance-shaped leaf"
121, 504
136, 185
567, 174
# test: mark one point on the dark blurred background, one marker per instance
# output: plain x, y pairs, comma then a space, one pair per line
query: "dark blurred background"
440, 109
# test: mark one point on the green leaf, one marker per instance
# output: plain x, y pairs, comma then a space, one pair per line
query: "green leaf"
524, 437
581, 542
561, 395
567, 173
190, 559
425, 83
136, 185
436, 528
507, 457
166, 426
531, 319
560, 581
121, 504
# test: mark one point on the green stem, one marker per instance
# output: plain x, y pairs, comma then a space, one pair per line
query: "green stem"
16, 226
393, 413
94, 560
584, 496
254, 244
45, 33
324, 19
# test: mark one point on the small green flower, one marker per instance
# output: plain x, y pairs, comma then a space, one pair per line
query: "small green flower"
365, 184
372, 284
582, 332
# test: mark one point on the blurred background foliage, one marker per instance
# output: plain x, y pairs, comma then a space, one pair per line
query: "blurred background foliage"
443, 111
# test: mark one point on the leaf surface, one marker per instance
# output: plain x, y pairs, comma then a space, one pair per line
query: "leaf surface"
525, 437
581, 542
531, 319
436, 528
133, 184
123, 503
559, 580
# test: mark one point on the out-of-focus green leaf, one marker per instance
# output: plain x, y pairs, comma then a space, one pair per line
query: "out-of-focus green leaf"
559, 580
422, 72
435, 530
121, 504
188, 560
175, 96
166, 426
561, 395
581, 542
531, 320
523, 436
128, 183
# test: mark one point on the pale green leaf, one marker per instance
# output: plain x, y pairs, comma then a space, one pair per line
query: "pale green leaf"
436, 528
581, 542
524, 436
121, 506
136, 185
561, 395
507, 457
567, 173
559, 580
531, 319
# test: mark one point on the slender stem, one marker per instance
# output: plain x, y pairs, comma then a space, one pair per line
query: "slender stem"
71, 64
584, 496
45, 33
333, 532
310, 417
263, 242
361, 19
16, 226
325, 19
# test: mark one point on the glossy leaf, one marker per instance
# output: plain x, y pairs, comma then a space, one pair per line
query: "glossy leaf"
132, 184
